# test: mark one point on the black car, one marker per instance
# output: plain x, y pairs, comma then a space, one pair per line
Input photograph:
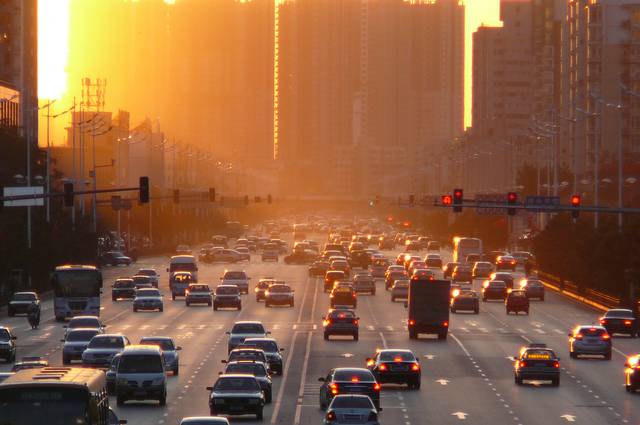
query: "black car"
227, 296
123, 289
343, 295
391, 366
341, 322
462, 273
349, 380
506, 277
465, 300
114, 258
517, 301
300, 257
448, 269
534, 289
20, 301
236, 395
632, 374
360, 259
262, 286
494, 290
271, 350
257, 369
620, 321
7, 345
537, 362
318, 268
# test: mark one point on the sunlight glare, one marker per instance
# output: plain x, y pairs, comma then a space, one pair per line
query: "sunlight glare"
53, 48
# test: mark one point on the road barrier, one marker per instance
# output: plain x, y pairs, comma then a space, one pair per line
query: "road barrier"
595, 299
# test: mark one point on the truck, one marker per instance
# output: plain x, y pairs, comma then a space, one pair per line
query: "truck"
428, 308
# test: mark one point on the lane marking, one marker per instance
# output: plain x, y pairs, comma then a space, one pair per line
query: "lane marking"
384, 340
285, 375
303, 379
455, 338
304, 298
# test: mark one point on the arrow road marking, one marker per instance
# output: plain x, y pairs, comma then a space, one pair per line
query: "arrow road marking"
429, 356
460, 415
442, 381
569, 418
347, 355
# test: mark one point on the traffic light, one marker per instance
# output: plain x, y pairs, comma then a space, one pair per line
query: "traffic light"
68, 194
176, 196
457, 200
212, 194
143, 195
246, 199
512, 199
447, 200
412, 199
269, 199
575, 203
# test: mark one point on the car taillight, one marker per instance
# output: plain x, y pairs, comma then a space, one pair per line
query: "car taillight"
376, 387
556, 365
445, 324
373, 417
334, 389
523, 364
513, 262
606, 337
382, 367
331, 416
627, 322
415, 367
327, 322
603, 321
356, 321
412, 322
579, 336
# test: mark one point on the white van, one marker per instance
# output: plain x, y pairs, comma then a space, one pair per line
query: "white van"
184, 263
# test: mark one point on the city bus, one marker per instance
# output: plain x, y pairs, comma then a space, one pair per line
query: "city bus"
465, 246
55, 396
76, 291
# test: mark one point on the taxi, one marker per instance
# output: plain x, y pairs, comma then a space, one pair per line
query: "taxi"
537, 362
343, 295
632, 373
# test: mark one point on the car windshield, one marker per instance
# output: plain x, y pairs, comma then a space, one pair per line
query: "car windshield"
4, 335
141, 279
144, 272
247, 328
619, 313
84, 323
467, 294
227, 290
148, 293
353, 375
593, 331
497, 284
106, 342
124, 284
255, 369
279, 288
24, 297
247, 355
348, 402
81, 335
266, 346
140, 363
164, 344
237, 384
518, 294
199, 288
235, 275
394, 356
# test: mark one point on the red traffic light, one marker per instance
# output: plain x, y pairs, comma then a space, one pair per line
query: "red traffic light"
512, 197
457, 194
447, 200
389, 219
575, 200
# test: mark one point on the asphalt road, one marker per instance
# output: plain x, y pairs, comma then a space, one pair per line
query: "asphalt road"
466, 378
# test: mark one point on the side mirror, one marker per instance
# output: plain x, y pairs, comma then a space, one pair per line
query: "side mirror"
282, 349
167, 270
228, 333
209, 388
178, 348
62, 340
321, 379
14, 337
268, 332
223, 361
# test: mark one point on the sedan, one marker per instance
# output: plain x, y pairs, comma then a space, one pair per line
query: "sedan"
123, 288
392, 366
364, 282
465, 300
170, 351
620, 321
75, 342
278, 294
236, 395
351, 409
227, 296
255, 368
482, 269
400, 290
517, 301
536, 362
349, 380
20, 301
148, 299
341, 322
198, 293
590, 340
102, 348
534, 288
494, 290
506, 262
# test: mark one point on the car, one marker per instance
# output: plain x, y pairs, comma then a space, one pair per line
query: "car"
393, 276
30, 362
494, 290
102, 348
262, 286
270, 252
198, 293
245, 329
84, 322
257, 369
219, 240
589, 340
482, 269
351, 409
620, 321
279, 294
506, 262
433, 246
533, 287
152, 274
123, 288
447, 270
378, 267
465, 300
20, 301
413, 246
170, 351
517, 301
179, 282
140, 375
227, 296
401, 258
386, 243
271, 350
423, 274
472, 258
226, 255
400, 290
462, 273
364, 283
142, 281
506, 277
433, 261
537, 362
236, 394
396, 366
341, 321
343, 295
318, 268
204, 420
360, 258
244, 252
522, 257
114, 258
416, 264
330, 277
632, 373
75, 342
410, 259
341, 265
148, 299
238, 278
349, 380
247, 354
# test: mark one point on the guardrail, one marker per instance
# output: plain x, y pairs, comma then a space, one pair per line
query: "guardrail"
595, 299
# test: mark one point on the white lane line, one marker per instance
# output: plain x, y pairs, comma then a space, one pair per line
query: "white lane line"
623, 354
304, 297
285, 375
455, 338
303, 378
538, 330
558, 331
384, 341
371, 328
315, 299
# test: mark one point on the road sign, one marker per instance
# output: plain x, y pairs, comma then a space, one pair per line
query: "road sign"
486, 203
544, 202
23, 191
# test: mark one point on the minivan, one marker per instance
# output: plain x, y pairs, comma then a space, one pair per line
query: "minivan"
141, 375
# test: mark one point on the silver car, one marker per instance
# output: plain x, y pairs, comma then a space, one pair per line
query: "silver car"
590, 340
75, 342
148, 299
351, 409
170, 351
102, 349
400, 290
84, 322
152, 274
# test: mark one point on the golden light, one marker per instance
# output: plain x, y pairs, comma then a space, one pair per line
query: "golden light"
170, 1
53, 48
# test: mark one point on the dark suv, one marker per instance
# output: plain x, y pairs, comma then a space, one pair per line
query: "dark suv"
620, 321
494, 290
517, 301
341, 322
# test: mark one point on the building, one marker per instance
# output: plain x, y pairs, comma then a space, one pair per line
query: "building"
9, 106
19, 64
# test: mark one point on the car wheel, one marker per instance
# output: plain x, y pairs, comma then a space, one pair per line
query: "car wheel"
555, 382
161, 309
517, 380
453, 310
266, 304
484, 299
257, 299
373, 292
527, 311
176, 370
187, 303
542, 298
163, 400
135, 310
239, 306
173, 297
291, 304
267, 396
215, 307
416, 384
393, 299
11, 313
607, 355
476, 311
113, 299
573, 355
209, 304
442, 336
413, 334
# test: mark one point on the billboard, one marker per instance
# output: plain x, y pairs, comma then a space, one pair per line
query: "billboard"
22, 191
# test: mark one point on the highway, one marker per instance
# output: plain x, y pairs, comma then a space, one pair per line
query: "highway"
466, 379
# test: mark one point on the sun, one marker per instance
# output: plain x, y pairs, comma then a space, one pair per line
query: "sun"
53, 48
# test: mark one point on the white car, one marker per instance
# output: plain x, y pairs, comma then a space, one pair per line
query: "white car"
237, 278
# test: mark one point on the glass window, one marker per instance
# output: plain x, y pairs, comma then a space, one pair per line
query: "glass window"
235, 275
391, 356
349, 375
83, 335
352, 402
106, 342
24, 297
4, 335
61, 406
143, 363
255, 369
76, 283
164, 344
227, 290
247, 328
266, 346
236, 384
88, 322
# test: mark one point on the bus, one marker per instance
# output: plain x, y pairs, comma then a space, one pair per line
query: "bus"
465, 246
76, 291
55, 396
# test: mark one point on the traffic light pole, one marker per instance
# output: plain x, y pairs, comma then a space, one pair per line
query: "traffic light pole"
467, 203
